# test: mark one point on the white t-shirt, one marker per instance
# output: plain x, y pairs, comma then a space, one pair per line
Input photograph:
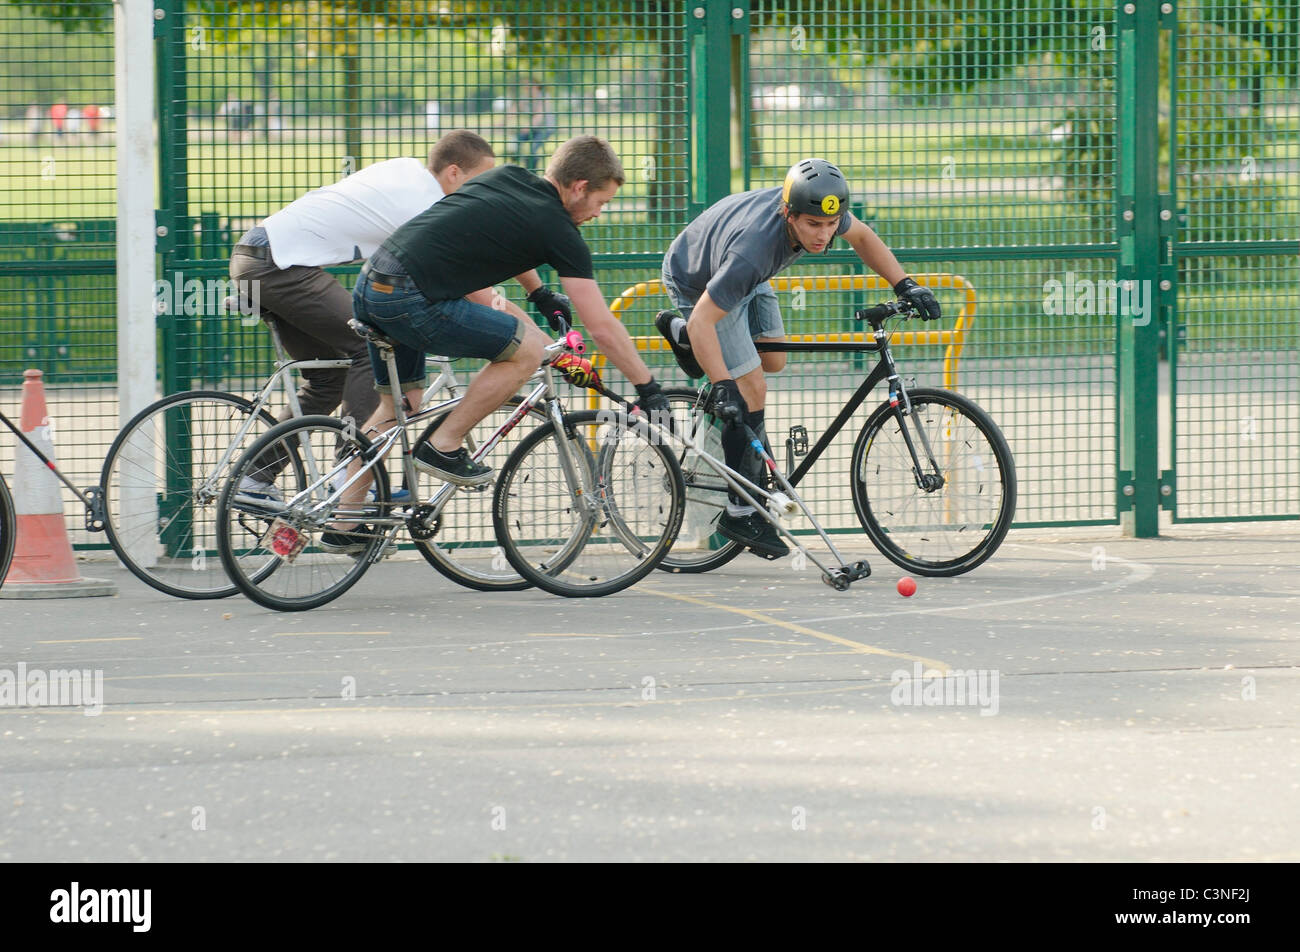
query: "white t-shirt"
328, 225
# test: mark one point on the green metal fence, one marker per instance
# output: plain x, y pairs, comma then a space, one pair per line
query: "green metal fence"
1116, 180
57, 208
1235, 382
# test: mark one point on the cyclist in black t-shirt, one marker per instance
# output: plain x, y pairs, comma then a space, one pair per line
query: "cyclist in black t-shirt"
502, 224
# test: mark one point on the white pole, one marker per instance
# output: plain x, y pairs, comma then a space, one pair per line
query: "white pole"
133, 107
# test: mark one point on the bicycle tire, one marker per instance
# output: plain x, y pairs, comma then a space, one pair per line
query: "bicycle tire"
568, 546
458, 550
933, 533
8, 529
698, 547
171, 545
319, 448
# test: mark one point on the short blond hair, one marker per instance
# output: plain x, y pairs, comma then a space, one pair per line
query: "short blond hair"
586, 158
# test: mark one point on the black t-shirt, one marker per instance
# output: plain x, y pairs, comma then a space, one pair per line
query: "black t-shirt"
497, 225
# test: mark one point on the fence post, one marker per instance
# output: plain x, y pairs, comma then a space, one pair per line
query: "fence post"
1138, 228
709, 28
134, 108
137, 359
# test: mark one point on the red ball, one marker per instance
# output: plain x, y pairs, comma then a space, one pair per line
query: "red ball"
906, 587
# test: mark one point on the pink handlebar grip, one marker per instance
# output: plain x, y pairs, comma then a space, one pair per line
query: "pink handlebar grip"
573, 340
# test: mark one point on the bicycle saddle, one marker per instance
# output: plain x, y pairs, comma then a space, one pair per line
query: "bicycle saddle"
371, 334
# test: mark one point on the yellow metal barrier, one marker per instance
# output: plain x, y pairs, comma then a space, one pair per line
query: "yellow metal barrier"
954, 339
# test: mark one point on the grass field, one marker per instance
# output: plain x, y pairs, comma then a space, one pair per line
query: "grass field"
995, 180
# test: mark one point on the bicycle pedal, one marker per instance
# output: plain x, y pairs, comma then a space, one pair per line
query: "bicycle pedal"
837, 581
858, 570
95, 509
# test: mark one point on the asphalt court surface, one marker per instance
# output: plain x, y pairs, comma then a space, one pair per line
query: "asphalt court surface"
1140, 700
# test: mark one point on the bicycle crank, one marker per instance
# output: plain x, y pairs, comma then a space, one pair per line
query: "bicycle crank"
423, 523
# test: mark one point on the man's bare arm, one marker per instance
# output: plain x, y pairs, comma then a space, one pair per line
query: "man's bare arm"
874, 254
702, 329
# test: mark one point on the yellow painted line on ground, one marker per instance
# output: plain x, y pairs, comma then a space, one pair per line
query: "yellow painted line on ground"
295, 634
770, 641
86, 641
857, 646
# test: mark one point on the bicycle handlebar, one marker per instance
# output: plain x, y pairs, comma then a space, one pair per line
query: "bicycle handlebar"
874, 315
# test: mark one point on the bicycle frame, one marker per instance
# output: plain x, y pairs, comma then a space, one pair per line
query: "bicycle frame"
281, 378
885, 369
544, 392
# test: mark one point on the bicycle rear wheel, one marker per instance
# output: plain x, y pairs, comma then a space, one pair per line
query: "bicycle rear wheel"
946, 529
464, 548
274, 552
161, 481
603, 524
8, 529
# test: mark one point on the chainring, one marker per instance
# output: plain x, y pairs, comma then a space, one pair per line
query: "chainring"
423, 523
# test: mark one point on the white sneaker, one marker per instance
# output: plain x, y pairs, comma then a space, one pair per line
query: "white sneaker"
257, 491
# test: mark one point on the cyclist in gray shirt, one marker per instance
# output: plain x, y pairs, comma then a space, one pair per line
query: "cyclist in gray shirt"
716, 273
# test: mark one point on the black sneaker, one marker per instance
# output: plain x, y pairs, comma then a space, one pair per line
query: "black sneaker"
346, 541
754, 533
685, 359
455, 468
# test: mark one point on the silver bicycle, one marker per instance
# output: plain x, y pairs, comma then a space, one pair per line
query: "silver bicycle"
166, 468
586, 503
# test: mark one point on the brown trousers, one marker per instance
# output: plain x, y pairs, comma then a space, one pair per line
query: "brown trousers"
312, 310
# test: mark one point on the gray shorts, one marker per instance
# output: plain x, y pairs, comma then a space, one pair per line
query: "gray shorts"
757, 315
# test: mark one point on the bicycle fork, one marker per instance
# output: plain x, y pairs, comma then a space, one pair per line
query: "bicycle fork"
901, 403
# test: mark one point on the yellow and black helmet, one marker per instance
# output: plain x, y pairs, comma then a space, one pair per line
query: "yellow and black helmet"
815, 187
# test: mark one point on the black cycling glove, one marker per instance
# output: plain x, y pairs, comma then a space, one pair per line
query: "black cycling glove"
727, 403
922, 298
652, 402
553, 306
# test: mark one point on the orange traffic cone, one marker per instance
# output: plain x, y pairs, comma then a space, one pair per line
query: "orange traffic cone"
43, 565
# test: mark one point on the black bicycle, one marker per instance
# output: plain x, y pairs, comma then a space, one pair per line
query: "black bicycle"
932, 478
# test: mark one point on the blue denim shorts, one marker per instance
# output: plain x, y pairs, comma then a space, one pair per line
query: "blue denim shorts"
451, 328
756, 316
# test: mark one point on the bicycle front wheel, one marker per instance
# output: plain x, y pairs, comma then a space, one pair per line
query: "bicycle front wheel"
463, 547
591, 508
161, 481
277, 551
699, 548
8, 529
961, 514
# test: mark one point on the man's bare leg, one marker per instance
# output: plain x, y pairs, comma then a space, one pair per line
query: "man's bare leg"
490, 388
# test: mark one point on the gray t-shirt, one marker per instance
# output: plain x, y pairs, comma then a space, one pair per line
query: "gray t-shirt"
733, 247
